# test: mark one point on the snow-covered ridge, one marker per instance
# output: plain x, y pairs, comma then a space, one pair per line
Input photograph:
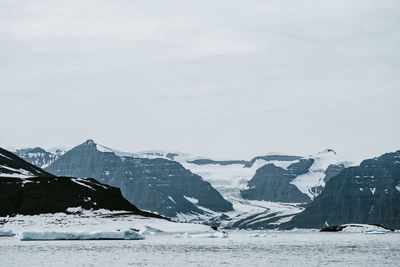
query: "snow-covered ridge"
39, 156
316, 174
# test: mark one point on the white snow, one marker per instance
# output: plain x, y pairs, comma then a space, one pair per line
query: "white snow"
229, 180
258, 235
97, 221
5, 157
16, 173
363, 228
74, 209
147, 230
398, 188
171, 198
103, 148
99, 235
373, 190
204, 235
191, 199
315, 176
79, 181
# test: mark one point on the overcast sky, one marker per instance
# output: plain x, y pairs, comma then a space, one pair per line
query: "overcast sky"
226, 79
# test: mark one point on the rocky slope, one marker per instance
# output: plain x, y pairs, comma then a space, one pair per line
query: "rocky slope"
366, 194
265, 191
26, 189
156, 184
38, 156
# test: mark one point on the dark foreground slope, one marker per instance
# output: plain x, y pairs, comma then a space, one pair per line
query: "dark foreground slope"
159, 185
368, 194
26, 189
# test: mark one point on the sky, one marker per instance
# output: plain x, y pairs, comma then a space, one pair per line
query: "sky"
225, 79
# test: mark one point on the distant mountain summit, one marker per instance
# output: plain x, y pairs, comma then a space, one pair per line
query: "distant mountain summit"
299, 182
27, 189
38, 156
369, 193
156, 184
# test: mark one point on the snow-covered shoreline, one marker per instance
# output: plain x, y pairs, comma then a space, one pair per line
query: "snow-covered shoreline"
100, 221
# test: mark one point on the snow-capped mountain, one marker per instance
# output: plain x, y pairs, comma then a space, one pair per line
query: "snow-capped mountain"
12, 166
154, 183
368, 193
261, 189
262, 192
27, 189
38, 156
261, 197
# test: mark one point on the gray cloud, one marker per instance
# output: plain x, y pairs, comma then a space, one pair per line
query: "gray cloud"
226, 78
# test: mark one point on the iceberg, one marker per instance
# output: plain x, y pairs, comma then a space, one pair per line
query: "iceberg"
114, 235
151, 231
6, 233
258, 235
204, 235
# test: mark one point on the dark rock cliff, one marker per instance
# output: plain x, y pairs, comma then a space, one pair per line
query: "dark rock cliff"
369, 193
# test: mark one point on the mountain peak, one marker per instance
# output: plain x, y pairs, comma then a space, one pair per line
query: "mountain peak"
89, 142
328, 151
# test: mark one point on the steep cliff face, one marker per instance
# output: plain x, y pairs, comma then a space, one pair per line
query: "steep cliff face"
156, 184
369, 193
26, 189
297, 183
38, 156
272, 183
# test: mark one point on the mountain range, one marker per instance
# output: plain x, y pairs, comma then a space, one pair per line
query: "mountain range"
270, 191
27, 189
262, 192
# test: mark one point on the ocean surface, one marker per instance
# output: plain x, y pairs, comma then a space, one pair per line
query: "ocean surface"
240, 249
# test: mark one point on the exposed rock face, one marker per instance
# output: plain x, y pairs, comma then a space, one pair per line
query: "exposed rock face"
366, 194
38, 156
56, 194
272, 183
301, 167
159, 185
13, 166
26, 189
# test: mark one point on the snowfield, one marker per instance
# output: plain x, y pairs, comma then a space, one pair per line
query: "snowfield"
315, 176
87, 221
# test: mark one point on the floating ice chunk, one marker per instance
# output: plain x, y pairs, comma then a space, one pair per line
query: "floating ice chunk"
185, 235
4, 232
364, 228
75, 209
115, 235
204, 235
258, 235
150, 231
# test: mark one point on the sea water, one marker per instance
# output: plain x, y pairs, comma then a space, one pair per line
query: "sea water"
241, 248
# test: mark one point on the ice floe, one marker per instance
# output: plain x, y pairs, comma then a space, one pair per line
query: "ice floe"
100, 235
